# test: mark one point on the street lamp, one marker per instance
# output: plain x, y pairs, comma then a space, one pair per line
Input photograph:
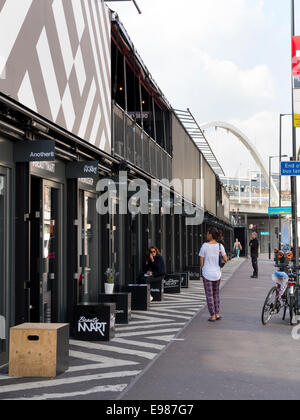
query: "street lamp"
293, 178
280, 157
270, 161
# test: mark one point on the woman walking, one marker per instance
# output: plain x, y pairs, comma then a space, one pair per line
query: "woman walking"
210, 263
237, 248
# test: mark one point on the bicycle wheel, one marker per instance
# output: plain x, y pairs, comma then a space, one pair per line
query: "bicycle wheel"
271, 306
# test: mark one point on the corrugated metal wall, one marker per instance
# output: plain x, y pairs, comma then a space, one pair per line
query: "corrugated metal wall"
186, 158
210, 203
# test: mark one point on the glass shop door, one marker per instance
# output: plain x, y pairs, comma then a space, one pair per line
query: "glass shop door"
46, 251
89, 279
4, 262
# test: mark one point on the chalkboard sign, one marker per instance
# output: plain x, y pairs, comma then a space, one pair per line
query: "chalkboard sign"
172, 283
194, 272
184, 280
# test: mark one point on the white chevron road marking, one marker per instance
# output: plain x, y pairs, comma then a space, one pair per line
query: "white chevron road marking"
56, 396
145, 327
102, 361
163, 337
65, 381
120, 350
137, 343
132, 334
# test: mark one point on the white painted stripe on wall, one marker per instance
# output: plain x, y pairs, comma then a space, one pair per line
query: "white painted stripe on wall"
97, 64
63, 35
79, 19
48, 73
103, 140
80, 70
67, 105
87, 110
96, 125
65, 381
25, 94
101, 48
103, 21
56, 396
12, 17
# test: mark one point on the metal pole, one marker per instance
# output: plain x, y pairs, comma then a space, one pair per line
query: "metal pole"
280, 152
269, 207
293, 178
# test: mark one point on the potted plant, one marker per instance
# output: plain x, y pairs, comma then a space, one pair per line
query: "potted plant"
111, 276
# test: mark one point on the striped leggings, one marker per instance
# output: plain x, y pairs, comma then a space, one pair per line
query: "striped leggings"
212, 291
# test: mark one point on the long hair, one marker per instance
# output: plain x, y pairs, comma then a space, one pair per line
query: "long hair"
147, 256
156, 249
215, 233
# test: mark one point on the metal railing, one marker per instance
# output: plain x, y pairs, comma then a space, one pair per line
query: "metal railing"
133, 144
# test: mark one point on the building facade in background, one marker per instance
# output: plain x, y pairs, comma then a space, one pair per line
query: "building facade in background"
77, 106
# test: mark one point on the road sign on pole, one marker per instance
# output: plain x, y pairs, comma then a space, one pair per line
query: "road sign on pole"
276, 211
290, 168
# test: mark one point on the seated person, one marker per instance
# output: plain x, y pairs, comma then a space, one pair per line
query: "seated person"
155, 264
154, 267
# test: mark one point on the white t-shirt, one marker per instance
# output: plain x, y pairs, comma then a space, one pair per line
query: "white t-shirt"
210, 252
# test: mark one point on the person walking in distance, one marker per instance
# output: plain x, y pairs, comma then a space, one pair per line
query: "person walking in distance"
254, 254
237, 248
211, 271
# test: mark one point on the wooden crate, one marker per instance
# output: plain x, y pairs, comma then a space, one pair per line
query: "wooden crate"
39, 350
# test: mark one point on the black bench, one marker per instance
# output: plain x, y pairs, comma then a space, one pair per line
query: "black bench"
140, 296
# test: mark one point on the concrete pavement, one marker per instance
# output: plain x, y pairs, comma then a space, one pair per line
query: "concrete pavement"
236, 358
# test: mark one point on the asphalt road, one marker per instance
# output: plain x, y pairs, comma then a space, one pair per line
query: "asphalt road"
233, 359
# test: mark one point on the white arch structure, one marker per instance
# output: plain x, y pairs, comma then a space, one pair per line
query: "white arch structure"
250, 147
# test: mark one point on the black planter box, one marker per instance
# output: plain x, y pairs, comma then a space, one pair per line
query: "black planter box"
194, 272
123, 305
172, 283
94, 321
140, 296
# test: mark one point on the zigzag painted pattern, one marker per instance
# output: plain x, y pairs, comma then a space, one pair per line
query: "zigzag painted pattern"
56, 61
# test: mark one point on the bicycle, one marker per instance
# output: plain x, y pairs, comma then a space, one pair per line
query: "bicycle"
283, 294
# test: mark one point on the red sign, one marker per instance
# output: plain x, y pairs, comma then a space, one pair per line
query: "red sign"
296, 55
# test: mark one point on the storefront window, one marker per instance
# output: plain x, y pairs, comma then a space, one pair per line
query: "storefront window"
89, 278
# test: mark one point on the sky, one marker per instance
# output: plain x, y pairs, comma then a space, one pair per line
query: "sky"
224, 60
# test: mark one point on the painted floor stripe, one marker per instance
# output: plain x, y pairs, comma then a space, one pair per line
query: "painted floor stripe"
132, 334
104, 361
138, 343
121, 350
65, 381
144, 327
56, 396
